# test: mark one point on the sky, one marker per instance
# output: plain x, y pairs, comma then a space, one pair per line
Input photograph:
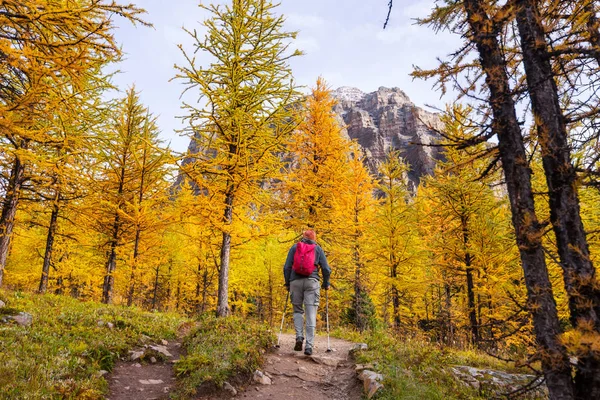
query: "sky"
343, 40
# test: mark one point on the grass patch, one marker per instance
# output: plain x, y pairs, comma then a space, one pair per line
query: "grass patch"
219, 349
61, 354
416, 369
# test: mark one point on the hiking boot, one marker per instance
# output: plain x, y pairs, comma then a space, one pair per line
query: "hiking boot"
298, 346
308, 351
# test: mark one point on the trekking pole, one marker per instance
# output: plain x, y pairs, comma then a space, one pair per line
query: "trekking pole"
282, 319
327, 319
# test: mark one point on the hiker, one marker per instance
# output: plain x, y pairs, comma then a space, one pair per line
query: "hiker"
302, 280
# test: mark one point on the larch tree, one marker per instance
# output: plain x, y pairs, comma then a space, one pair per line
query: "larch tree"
248, 94
579, 273
75, 120
46, 46
480, 23
151, 163
359, 205
468, 234
318, 168
118, 184
392, 229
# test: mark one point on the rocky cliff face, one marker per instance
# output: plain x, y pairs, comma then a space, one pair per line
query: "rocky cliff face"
387, 120
382, 121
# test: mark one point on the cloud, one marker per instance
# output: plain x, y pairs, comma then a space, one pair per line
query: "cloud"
307, 44
304, 21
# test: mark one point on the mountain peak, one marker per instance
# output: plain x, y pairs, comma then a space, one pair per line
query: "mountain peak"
348, 93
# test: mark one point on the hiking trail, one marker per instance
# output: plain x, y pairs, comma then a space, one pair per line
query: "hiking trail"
134, 380
322, 376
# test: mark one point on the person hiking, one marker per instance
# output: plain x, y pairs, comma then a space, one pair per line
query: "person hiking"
302, 280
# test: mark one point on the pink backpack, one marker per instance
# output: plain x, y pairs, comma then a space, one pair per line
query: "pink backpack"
304, 259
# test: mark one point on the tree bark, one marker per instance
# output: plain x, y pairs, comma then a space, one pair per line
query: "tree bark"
50, 243
528, 231
136, 252
138, 231
395, 295
155, 291
593, 26
223, 290
111, 264
200, 282
361, 322
9, 210
358, 289
578, 270
470, 284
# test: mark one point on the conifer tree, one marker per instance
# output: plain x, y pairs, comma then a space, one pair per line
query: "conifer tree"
580, 277
249, 91
146, 212
468, 235
129, 135
318, 168
74, 123
47, 47
359, 207
393, 228
481, 24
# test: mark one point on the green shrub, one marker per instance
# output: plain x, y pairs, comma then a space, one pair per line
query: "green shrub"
61, 353
415, 369
219, 349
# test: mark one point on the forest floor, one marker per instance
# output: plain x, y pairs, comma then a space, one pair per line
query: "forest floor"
293, 375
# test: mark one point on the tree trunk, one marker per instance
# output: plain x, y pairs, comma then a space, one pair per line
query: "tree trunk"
199, 303
361, 322
178, 295
528, 231
470, 286
223, 291
471, 303
50, 243
593, 26
111, 264
448, 314
395, 296
205, 285
136, 247
138, 231
155, 291
169, 289
9, 210
578, 271
270, 294
358, 306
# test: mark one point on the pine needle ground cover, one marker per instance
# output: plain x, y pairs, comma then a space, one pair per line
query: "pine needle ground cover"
219, 349
416, 369
62, 353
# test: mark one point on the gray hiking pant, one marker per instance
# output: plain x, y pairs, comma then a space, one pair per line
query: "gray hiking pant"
305, 292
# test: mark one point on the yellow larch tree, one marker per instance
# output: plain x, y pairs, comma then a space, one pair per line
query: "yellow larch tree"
396, 243
248, 93
468, 234
318, 169
48, 48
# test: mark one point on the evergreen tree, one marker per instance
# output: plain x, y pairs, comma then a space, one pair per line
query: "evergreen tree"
247, 118
48, 49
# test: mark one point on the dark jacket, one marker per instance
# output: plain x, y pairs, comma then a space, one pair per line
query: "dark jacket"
320, 261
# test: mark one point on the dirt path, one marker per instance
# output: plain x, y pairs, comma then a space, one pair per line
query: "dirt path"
133, 380
323, 376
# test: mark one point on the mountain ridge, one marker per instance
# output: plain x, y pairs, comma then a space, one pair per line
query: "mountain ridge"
385, 120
